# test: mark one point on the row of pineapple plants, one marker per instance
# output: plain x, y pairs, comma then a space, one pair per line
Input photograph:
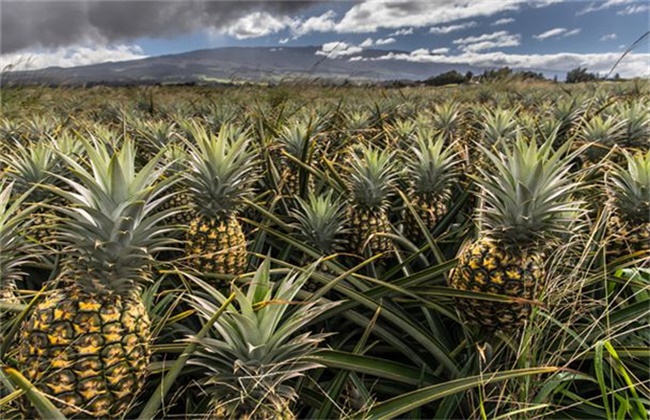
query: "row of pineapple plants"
171, 210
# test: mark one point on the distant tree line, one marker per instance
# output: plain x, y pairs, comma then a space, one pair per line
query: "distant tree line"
453, 77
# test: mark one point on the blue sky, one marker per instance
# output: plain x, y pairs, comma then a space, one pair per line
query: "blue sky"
545, 34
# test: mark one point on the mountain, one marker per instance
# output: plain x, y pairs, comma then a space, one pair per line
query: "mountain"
239, 64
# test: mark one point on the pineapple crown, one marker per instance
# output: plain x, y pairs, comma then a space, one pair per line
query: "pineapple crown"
432, 167
371, 176
255, 348
600, 134
320, 221
636, 119
296, 139
631, 188
13, 218
527, 196
158, 133
33, 166
112, 226
221, 170
447, 118
499, 125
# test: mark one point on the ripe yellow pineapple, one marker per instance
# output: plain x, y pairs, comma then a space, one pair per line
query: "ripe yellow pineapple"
87, 344
527, 199
219, 177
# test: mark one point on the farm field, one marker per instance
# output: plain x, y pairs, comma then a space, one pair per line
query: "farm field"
476, 251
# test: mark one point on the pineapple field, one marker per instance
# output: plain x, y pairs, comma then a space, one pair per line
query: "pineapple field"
478, 251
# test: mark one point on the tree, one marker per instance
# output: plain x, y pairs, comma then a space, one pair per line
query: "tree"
447, 78
580, 75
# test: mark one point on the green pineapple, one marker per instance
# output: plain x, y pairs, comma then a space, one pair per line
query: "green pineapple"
370, 180
33, 168
526, 202
629, 220
87, 344
432, 169
297, 144
320, 224
254, 351
219, 177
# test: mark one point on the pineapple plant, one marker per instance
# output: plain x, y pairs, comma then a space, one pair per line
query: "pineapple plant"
526, 200
254, 350
628, 224
14, 217
296, 142
447, 120
636, 128
87, 344
320, 224
32, 169
219, 177
370, 180
600, 135
432, 169
155, 135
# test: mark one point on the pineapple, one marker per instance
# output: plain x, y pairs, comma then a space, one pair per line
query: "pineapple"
13, 218
254, 350
297, 143
220, 175
526, 201
432, 170
447, 119
636, 129
87, 345
320, 223
371, 177
600, 135
32, 168
629, 220
155, 135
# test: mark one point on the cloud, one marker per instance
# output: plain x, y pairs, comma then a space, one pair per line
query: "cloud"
452, 28
402, 32
322, 23
608, 37
633, 65
60, 23
487, 41
550, 33
437, 51
72, 56
601, 5
557, 32
503, 21
385, 41
338, 49
633, 9
572, 32
370, 16
256, 25
368, 42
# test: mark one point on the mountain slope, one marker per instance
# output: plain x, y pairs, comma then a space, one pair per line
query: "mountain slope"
256, 64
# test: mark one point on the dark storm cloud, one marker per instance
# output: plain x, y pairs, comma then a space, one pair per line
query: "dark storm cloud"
27, 23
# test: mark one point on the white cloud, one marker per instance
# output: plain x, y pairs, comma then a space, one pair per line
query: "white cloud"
420, 51
368, 42
283, 40
550, 33
636, 8
633, 65
322, 23
338, 49
256, 25
438, 51
369, 16
572, 32
357, 58
78, 55
487, 41
385, 41
601, 5
503, 21
402, 32
452, 28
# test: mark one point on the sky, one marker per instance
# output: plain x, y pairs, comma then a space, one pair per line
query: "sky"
541, 35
